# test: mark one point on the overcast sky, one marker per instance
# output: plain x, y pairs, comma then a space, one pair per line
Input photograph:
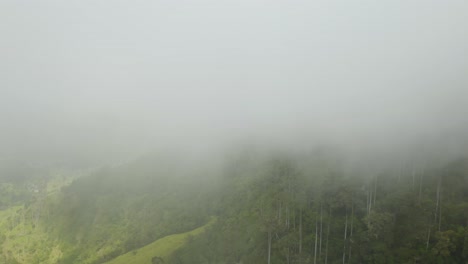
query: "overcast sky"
99, 77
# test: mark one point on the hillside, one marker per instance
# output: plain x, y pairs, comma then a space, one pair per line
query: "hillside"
270, 208
313, 211
161, 249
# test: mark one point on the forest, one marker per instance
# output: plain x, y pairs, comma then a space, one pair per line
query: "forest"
270, 207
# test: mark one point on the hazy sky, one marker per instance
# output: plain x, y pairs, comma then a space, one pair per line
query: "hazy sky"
109, 76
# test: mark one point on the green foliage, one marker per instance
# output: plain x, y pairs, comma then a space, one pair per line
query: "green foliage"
285, 199
161, 249
292, 209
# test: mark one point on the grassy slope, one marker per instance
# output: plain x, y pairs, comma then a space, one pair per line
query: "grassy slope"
162, 248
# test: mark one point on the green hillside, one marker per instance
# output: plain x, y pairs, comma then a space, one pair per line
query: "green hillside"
254, 208
160, 249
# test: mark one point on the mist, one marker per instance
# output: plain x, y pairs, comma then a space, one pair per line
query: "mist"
221, 131
103, 81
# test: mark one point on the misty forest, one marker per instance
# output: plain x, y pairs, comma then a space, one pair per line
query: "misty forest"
233, 132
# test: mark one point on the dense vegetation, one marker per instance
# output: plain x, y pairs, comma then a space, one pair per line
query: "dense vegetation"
284, 211
271, 208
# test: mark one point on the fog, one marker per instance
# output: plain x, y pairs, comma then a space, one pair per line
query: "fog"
108, 80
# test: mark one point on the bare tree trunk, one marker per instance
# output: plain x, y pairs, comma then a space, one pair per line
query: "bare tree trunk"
375, 189
279, 213
420, 188
370, 206
440, 210
352, 217
328, 234
269, 245
351, 233
300, 231
321, 225
437, 201
294, 220
344, 240
315, 245
428, 237
367, 202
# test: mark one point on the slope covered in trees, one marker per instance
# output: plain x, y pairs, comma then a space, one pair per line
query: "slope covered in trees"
271, 208
311, 210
